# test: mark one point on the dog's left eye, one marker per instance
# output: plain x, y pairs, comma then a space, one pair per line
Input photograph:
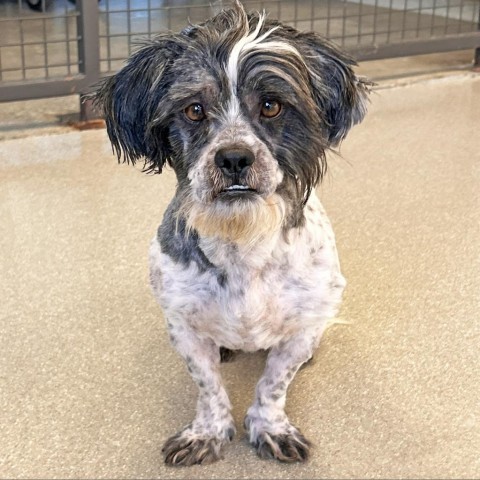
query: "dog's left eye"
195, 112
271, 108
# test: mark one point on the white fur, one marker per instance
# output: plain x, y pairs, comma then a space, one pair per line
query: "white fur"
251, 41
274, 289
277, 294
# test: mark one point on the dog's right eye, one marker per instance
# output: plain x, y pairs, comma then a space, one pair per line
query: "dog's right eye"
195, 112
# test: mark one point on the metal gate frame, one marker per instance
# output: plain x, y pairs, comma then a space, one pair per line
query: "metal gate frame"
88, 40
88, 63
408, 48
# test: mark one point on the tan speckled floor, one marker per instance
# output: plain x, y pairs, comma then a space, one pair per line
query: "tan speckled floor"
90, 388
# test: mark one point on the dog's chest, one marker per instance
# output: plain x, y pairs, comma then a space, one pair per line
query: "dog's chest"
253, 298
255, 307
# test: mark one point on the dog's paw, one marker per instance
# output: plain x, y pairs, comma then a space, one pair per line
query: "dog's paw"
187, 448
227, 355
287, 444
286, 447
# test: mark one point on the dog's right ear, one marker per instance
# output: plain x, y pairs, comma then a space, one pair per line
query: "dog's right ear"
128, 101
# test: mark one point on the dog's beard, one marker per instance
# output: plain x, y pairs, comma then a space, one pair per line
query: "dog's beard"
242, 220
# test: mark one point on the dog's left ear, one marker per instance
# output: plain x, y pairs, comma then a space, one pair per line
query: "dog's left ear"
340, 95
129, 101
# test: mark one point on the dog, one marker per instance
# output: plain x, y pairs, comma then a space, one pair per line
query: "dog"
244, 109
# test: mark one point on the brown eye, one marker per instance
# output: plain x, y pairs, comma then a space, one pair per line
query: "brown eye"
194, 112
271, 108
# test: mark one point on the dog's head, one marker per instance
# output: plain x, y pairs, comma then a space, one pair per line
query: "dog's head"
243, 109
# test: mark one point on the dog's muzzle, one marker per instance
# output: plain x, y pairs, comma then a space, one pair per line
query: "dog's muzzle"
235, 163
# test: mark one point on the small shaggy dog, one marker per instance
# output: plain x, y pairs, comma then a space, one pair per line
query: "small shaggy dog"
243, 109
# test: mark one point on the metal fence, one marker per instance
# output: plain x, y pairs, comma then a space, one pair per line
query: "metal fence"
59, 47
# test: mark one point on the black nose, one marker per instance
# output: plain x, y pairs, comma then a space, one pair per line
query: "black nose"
234, 162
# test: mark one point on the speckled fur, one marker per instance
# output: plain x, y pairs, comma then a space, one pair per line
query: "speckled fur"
274, 289
254, 269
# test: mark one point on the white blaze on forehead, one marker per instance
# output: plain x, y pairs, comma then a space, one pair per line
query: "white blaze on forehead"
233, 109
247, 39
251, 41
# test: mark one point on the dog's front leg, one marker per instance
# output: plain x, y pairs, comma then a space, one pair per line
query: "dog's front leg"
202, 440
269, 429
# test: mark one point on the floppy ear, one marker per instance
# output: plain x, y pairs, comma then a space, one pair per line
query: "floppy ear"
129, 99
340, 95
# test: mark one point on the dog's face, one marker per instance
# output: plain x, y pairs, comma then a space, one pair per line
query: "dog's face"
243, 109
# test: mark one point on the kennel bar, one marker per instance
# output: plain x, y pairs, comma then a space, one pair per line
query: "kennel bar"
97, 36
74, 50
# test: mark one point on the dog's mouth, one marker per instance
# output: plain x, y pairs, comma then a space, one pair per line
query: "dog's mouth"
237, 192
238, 189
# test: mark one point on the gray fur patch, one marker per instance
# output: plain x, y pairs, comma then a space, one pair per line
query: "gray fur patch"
182, 246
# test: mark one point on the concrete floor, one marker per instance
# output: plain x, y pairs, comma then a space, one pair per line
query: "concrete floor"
90, 387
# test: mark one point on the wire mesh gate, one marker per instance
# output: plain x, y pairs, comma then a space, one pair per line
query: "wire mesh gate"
59, 47
51, 52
